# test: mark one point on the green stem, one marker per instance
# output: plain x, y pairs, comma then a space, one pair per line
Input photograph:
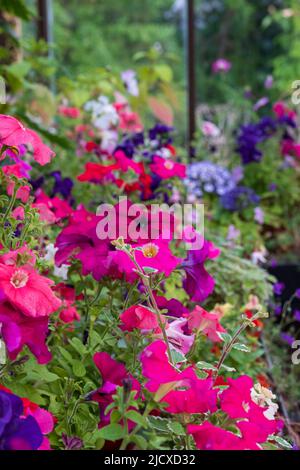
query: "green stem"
146, 281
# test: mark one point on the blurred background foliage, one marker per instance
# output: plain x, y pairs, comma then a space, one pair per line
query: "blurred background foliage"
95, 40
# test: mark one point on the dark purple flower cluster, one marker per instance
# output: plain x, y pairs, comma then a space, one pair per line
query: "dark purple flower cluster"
16, 432
61, 185
251, 135
130, 143
158, 136
161, 133
239, 198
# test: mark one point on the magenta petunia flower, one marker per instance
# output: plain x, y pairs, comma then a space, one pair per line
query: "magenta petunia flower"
185, 393
79, 240
19, 330
156, 255
210, 437
167, 168
237, 402
113, 374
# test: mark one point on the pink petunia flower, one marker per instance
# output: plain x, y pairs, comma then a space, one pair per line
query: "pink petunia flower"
206, 322
51, 210
13, 133
138, 317
179, 337
28, 291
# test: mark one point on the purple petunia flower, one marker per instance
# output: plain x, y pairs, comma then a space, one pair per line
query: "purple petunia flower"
297, 293
287, 338
198, 283
161, 132
278, 310
272, 187
62, 185
278, 288
130, 144
239, 198
297, 315
251, 135
16, 432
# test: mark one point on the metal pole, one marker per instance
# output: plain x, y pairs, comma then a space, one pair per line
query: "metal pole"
42, 20
45, 29
191, 81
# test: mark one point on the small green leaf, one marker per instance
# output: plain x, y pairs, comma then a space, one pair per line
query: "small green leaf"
241, 347
205, 365
282, 442
78, 369
136, 418
176, 428
225, 337
112, 432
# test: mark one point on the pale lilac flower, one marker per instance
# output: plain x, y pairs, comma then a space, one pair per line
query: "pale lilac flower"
130, 81
221, 65
259, 215
233, 233
269, 82
261, 103
237, 174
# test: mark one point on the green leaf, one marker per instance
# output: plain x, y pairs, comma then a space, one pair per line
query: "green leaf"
158, 423
139, 441
225, 337
241, 347
228, 369
282, 442
136, 418
112, 432
78, 346
177, 356
176, 428
205, 365
78, 369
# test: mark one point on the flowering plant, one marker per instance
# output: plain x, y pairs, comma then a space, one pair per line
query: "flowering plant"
122, 340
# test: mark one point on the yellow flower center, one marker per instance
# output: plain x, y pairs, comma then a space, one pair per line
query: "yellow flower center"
169, 165
150, 250
19, 278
